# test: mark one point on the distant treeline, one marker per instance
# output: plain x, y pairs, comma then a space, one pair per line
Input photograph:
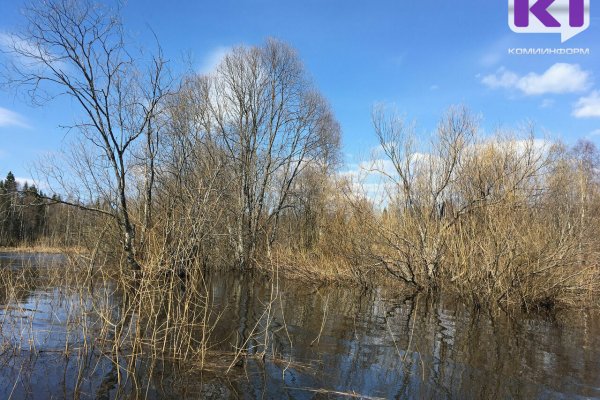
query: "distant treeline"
28, 217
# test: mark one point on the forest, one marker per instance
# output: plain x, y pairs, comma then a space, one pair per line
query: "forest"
31, 219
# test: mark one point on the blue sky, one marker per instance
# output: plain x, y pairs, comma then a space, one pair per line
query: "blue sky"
421, 56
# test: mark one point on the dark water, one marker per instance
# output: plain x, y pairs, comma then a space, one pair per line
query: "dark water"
326, 342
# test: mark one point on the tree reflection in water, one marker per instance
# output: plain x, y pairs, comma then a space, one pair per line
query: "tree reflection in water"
320, 341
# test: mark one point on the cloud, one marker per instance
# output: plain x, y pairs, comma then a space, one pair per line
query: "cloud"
547, 103
29, 54
378, 180
502, 79
593, 134
10, 42
22, 181
558, 79
588, 106
213, 59
371, 179
11, 118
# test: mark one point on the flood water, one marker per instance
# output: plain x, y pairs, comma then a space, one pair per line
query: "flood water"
323, 342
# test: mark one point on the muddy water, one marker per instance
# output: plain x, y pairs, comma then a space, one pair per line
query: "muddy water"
322, 343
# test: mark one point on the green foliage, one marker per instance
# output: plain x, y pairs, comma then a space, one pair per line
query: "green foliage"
23, 212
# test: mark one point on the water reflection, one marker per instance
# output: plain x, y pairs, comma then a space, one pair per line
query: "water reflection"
319, 342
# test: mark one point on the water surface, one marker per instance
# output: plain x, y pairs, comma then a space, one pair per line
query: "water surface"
322, 342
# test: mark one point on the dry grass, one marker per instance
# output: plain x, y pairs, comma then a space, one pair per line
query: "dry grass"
309, 267
43, 249
502, 222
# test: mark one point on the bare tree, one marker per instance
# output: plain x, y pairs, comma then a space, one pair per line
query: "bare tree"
76, 48
504, 219
270, 123
420, 191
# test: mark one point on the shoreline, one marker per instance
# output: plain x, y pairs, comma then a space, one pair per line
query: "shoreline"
40, 249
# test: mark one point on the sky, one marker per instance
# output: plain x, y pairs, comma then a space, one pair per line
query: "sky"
420, 57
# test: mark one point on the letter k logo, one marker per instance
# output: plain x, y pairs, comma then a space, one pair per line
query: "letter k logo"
567, 17
539, 9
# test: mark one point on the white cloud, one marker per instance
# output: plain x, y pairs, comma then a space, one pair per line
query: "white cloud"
29, 54
558, 79
547, 103
10, 42
595, 133
378, 179
501, 79
371, 179
213, 59
11, 118
588, 107
22, 181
